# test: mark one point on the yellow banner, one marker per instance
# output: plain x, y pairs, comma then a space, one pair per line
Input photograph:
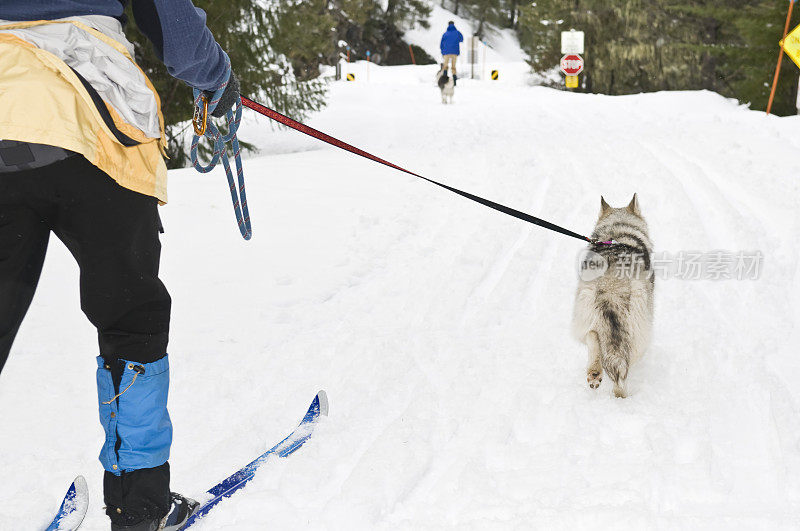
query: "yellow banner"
791, 45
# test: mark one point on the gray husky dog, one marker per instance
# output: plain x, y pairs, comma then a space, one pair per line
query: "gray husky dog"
613, 313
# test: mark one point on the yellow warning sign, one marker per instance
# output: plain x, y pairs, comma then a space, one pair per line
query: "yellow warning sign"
791, 45
572, 81
495, 74
351, 77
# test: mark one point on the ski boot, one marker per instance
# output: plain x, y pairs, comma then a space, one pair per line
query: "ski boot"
455, 80
180, 511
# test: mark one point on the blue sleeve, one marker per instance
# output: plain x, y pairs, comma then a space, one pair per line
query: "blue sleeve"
441, 45
460, 37
178, 31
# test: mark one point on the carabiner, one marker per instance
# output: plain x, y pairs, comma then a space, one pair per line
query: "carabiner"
200, 116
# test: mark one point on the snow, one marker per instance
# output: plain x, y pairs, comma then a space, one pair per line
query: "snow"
441, 329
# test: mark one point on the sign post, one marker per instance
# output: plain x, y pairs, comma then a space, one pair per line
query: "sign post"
780, 57
572, 45
483, 61
348, 73
472, 59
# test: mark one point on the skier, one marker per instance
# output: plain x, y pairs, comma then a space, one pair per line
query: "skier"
450, 47
81, 138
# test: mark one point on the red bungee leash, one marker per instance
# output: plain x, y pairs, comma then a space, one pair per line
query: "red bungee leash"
319, 135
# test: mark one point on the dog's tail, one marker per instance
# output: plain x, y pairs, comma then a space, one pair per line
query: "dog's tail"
615, 349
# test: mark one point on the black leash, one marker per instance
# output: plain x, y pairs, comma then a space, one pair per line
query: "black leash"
319, 135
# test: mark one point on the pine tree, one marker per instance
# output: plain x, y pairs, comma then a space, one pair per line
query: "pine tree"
511, 8
384, 30
263, 59
750, 70
539, 31
303, 31
484, 13
350, 18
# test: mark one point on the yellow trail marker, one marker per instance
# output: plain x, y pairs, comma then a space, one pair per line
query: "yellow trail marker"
351, 77
572, 81
791, 45
495, 74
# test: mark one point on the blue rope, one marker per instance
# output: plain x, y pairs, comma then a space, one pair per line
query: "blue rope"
219, 140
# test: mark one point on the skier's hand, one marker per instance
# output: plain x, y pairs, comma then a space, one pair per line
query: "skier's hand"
228, 98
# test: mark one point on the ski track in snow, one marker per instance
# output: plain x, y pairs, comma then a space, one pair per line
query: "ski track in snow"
441, 329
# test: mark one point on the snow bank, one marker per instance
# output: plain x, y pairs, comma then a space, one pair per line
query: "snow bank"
440, 329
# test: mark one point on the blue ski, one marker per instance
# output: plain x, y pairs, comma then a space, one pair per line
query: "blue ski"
73, 508
286, 447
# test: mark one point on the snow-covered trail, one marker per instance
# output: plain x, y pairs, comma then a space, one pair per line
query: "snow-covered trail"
440, 329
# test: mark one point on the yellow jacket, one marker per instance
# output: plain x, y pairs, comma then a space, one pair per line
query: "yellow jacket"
44, 101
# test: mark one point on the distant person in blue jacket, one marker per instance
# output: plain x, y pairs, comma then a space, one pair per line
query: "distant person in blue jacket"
450, 47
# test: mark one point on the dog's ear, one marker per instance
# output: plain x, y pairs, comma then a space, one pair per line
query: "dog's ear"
605, 208
633, 206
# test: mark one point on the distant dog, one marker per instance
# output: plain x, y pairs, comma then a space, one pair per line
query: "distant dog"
613, 313
446, 84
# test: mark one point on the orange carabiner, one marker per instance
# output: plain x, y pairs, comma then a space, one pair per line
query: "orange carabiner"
200, 116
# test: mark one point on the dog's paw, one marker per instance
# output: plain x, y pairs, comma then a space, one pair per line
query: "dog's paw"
594, 378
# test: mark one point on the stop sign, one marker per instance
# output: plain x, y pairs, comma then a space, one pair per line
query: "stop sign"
572, 64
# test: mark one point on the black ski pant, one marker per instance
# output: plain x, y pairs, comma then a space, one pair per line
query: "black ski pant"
113, 233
